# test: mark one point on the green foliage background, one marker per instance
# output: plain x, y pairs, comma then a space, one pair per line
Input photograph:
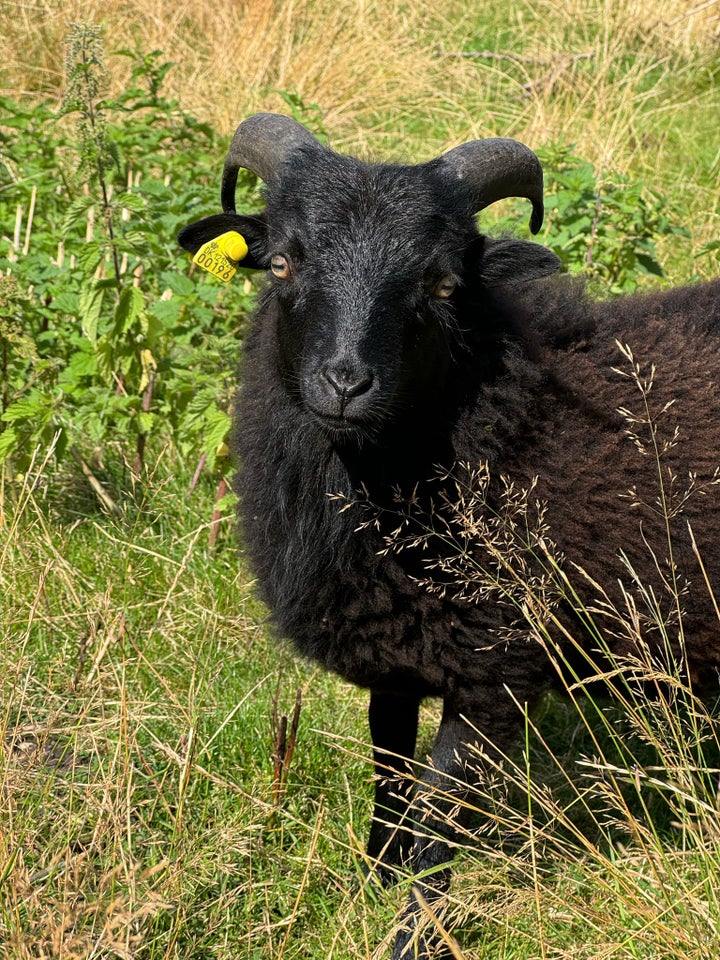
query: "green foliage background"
97, 304
106, 338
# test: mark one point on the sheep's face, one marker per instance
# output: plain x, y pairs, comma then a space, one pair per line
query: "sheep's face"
373, 272
365, 268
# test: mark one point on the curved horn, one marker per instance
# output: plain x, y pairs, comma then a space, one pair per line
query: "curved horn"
261, 144
495, 168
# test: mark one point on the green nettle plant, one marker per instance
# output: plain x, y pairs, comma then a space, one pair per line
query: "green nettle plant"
105, 339
603, 227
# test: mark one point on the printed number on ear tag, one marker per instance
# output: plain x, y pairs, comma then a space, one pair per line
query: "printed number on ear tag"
221, 256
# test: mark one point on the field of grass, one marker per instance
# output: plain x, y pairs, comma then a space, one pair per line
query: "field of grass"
148, 809
633, 89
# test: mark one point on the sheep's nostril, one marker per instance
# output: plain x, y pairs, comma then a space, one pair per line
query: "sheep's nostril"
347, 382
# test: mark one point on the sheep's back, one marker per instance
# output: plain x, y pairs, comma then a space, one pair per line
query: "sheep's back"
626, 448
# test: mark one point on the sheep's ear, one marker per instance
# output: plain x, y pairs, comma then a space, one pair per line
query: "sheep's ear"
253, 230
505, 260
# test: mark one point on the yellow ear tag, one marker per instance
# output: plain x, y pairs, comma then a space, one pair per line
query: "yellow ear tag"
221, 256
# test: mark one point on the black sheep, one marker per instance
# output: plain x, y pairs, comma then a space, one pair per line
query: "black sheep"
393, 342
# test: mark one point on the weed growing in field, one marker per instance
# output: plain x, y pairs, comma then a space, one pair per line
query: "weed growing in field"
119, 347
602, 226
606, 227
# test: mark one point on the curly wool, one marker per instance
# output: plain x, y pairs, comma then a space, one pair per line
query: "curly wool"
548, 409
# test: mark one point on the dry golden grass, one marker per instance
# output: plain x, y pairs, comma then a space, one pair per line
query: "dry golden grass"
98, 766
231, 58
362, 62
632, 88
134, 810
595, 72
585, 71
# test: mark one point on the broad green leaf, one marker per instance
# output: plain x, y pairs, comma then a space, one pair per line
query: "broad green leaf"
129, 308
90, 255
216, 427
90, 303
75, 212
166, 311
146, 422
180, 284
8, 443
66, 301
133, 202
650, 265
83, 364
104, 355
32, 405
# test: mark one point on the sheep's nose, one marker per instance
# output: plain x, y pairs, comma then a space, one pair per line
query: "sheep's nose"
348, 382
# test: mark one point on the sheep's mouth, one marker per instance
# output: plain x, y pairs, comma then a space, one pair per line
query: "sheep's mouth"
342, 427
345, 415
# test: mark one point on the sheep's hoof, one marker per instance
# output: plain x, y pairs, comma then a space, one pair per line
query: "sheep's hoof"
418, 937
410, 945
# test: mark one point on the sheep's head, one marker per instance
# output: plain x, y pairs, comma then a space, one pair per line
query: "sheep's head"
369, 263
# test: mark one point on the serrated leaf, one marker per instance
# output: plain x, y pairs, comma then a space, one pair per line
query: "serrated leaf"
216, 427
83, 364
89, 255
104, 355
201, 404
146, 422
135, 239
75, 212
166, 312
133, 201
90, 303
26, 408
66, 302
8, 442
129, 307
650, 265
180, 284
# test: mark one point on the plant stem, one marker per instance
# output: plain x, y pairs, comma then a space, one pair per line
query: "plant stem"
217, 513
145, 407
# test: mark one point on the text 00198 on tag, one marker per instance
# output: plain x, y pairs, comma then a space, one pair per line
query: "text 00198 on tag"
221, 256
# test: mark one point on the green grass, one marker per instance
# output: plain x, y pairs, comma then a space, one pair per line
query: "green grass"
138, 690
139, 816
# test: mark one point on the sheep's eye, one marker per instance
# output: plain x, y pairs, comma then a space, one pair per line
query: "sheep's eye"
280, 266
444, 287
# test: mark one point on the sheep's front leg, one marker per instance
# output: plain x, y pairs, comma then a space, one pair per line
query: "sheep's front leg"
440, 808
393, 727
